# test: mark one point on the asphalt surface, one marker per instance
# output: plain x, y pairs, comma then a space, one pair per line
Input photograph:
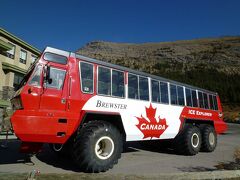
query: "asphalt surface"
138, 158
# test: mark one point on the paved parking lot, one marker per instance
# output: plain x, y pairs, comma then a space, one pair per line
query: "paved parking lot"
138, 158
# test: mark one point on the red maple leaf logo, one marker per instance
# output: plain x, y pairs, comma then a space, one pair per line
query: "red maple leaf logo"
151, 128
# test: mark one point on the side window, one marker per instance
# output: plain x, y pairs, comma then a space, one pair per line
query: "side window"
57, 76
173, 92
200, 99
215, 103
211, 101
188, 97
180, 95
143, 88
194, 98
86, 77
35, 80
132, 86
205, 98
118, 83
155, 91
104, 81
164, 92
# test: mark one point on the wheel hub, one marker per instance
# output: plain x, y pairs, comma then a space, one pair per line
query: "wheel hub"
195, 140
104, 147
211, 139
57, 147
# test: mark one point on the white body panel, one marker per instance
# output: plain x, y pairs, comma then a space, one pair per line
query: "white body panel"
131, 109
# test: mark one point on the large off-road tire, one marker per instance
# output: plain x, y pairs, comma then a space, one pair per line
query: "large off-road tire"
97, 146
188, 142
209, 138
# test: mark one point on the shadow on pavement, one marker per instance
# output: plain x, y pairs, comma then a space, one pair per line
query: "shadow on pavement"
158, 146
49, 157
65, 162
196, 169
9, 153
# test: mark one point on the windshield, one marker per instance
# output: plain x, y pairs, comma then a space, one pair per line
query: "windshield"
26, 77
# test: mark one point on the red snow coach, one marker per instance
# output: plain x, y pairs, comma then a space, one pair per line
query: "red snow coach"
89, 108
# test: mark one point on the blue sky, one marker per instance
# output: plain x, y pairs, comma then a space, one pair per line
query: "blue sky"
70, 24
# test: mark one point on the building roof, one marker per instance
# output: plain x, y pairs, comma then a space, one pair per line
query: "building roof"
19, 41
5, 46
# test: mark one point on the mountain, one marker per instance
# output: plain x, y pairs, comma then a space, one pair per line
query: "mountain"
211, 63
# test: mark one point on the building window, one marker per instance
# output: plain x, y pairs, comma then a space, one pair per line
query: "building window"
11, 53
23, 56
17, 80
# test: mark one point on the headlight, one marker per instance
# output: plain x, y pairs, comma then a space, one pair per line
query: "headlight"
16, 103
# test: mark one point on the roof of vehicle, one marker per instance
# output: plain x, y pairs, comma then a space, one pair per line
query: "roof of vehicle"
117, 67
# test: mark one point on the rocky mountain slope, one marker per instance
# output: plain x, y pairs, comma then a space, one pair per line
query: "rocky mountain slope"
212, 63
223, 54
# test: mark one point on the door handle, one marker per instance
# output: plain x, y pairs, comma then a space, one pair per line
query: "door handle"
63, 100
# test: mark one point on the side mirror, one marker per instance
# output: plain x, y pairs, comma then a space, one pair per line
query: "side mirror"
48, 75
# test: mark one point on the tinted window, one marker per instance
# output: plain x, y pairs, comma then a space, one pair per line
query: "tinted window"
205, 98
57, 77
200, 99
194, 98
164, 92
117, 83
55, 58
132, 86
188, 97
87, 77
155, 91
104, 81
143, 88
173, 92
215, 103
211, 102
180, 95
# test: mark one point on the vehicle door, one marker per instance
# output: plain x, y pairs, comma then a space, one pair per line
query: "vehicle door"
53, 103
